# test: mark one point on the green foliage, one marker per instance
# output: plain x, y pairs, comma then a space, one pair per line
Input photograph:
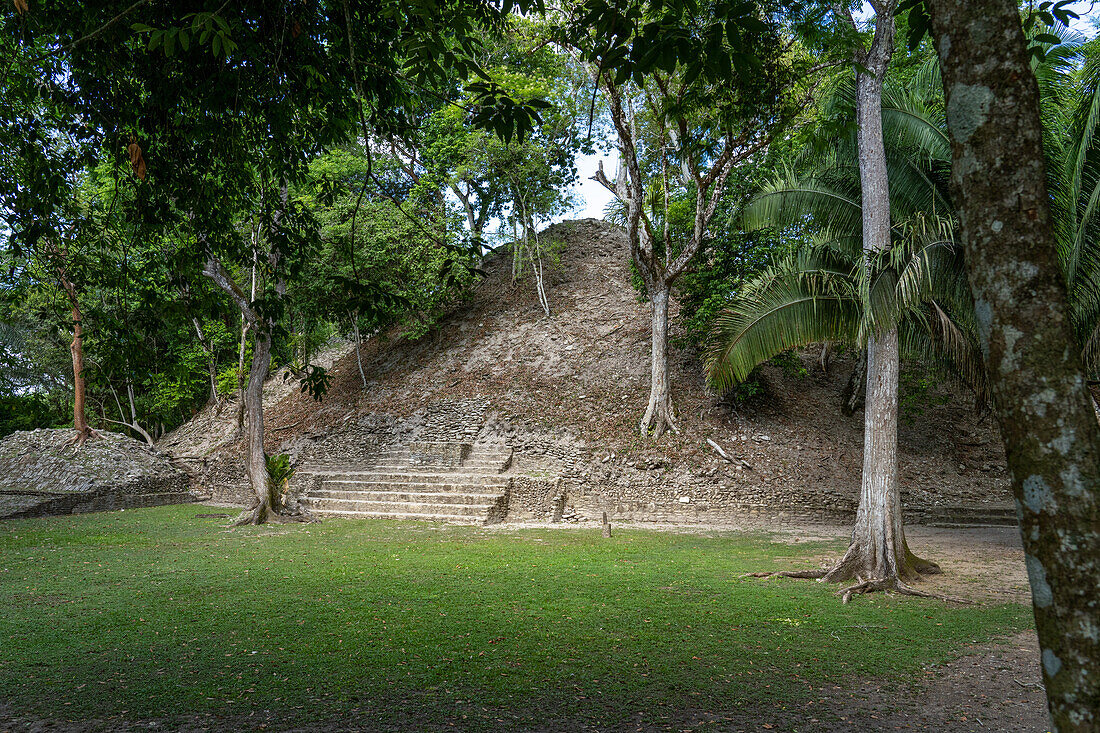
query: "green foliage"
227, 379
279, 469
145, 149
315, 382
791, 365
27, 412
827, 289
729, 259
386, 257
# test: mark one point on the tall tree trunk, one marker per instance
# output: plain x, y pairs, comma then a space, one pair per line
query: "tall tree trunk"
878, 556
240, 374
263, 489
660, 414
266, 501
1050, 433
878, 551
80, 421
536, 266
660, 271
358, 349
76, 349
245, 327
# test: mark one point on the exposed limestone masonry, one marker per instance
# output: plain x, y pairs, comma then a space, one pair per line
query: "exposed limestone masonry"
42, 473
454, 421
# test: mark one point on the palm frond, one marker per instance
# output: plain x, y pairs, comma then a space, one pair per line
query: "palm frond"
786, 315
793, 202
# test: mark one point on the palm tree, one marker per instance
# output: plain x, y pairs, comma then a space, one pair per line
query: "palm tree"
1069, 83
833, 289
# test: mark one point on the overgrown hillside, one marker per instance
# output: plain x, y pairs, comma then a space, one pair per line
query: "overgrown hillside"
566, 393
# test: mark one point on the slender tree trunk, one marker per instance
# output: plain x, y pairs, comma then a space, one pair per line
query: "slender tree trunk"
854, 395
471, 218
1041, 399
517, 250
133, 406
240, 374
878, 551
211, 362
80, 421
660, 414
536, 265
245, 327
358, 347
76, 349
660, 272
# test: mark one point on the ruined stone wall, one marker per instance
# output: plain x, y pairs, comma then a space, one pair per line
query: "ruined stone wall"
42, 473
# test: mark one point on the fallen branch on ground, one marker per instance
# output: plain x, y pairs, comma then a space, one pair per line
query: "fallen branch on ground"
727, 458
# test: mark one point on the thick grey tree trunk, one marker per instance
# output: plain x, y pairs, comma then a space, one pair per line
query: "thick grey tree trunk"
878, 556
660, 414
1042, 403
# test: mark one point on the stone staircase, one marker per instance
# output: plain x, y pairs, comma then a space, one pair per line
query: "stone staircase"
965, 517
446, 482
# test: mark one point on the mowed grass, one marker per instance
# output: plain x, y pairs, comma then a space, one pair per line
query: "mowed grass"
156, 613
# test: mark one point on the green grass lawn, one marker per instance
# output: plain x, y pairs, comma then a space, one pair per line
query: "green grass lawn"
156, 613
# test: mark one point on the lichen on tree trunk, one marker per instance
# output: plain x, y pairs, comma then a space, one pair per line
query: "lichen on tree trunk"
1040, 396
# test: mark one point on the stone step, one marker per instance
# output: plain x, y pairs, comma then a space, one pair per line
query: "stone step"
493, 466
476, 452
970, 516
968, 525
418, 497
467, 487
404, 477
406, 516
397, 507
495, 463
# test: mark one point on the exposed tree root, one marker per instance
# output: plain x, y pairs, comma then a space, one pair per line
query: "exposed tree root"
886, 585
284, 513
659, 417
80, 438
862, 587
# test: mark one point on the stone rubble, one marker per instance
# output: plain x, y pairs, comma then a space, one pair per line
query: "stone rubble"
43, 473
